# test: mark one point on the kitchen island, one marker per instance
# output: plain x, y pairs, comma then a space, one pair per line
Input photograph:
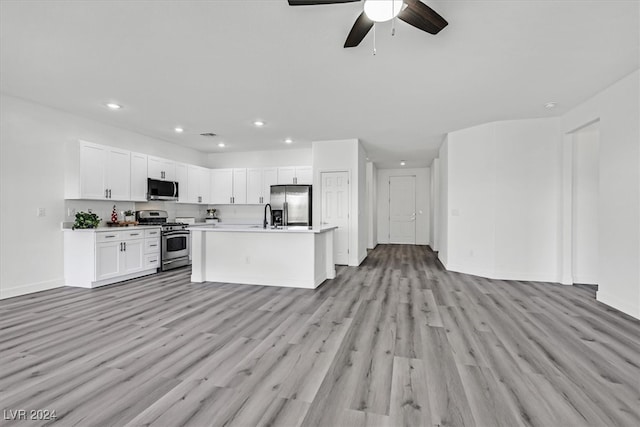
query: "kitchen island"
299, 257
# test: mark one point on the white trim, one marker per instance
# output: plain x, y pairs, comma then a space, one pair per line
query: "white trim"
29, 288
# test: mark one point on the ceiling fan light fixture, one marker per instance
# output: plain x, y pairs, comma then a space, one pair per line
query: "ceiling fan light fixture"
382, 10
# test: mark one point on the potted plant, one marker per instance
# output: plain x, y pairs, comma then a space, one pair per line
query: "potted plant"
86, 220
129, 216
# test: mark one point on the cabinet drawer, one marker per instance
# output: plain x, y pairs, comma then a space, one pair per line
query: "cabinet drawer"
108, 236
152, 245
152, 233
152, 261
132, 234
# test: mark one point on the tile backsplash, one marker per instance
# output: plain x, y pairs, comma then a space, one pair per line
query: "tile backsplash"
239, 214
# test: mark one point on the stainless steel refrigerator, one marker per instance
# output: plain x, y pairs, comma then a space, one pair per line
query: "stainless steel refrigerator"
291, 205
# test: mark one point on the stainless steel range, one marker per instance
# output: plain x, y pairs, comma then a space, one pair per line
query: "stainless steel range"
176, 238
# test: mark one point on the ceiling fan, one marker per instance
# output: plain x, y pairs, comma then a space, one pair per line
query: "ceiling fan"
413, 12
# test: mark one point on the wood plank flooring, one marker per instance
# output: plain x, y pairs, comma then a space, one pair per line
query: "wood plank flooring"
397, 341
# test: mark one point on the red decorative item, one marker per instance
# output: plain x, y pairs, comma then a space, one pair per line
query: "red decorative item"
114, 214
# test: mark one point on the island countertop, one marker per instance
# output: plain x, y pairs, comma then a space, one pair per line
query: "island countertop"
241, 228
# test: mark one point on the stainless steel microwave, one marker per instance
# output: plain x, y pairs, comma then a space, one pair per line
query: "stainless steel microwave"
161, 190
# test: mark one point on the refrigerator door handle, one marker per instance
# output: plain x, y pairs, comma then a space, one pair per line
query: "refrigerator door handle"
285, 216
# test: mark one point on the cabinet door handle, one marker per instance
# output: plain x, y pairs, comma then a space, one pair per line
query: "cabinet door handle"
199, 199
109, 193
230, 199
125, 246
120, 246
106, 193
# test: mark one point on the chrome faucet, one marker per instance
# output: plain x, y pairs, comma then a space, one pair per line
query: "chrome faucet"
264, 221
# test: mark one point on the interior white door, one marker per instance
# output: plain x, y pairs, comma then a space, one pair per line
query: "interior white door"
402, 209
335, 212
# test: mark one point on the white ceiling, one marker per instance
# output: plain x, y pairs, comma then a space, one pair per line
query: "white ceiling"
216, 66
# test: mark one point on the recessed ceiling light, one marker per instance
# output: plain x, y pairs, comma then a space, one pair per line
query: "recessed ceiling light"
258, 123
402, 163
288, 141
179, 129
114, 106
550, 105
221, 145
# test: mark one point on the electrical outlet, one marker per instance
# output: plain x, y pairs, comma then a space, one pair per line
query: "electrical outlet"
71, 211
41, 212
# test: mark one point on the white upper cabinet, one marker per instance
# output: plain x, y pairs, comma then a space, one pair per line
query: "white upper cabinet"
138, 177
198, 182
304, 175
221, 187
228, 186
119, 174
182, 178
240, 186
254, 186
163, 169
259, 182
286, 175
269, 178
93, 171
295, 175
98, 172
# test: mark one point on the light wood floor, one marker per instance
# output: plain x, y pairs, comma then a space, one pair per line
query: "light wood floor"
396, 341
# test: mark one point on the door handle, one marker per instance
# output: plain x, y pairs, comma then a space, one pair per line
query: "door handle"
106, 193
120, 246
109, 193
125, 246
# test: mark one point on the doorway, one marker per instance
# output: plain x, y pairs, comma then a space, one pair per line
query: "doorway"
402, 209
335, 212
584, 204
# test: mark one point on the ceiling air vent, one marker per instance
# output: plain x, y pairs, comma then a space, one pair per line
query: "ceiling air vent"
209, 134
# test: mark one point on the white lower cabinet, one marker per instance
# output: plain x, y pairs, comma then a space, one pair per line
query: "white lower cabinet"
96, 258
108, 258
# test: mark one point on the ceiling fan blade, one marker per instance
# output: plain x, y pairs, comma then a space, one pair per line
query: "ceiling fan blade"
314, 2
422, 17
360, 29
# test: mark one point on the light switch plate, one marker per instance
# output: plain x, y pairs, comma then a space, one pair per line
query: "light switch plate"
41, 212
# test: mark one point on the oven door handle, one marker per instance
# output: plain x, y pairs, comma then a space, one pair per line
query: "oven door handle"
175, 233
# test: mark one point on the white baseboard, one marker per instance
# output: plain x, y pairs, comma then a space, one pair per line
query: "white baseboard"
31, 288
618, 303
362, 257
504, 275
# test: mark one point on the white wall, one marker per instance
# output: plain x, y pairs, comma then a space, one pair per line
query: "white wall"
585, 184
617, 109
443, 216
344, 155
372, 205
260, 159
32, 141
434, 206
423, 185
363, 212
503, 197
